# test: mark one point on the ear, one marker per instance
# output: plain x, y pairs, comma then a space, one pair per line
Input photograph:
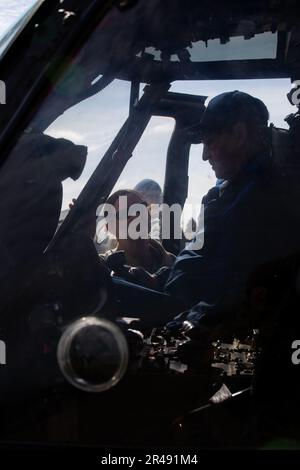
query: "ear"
240, 134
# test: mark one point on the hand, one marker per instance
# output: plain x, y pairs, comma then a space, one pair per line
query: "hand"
72, 204
89, 220
194, 332
195, 353
143, 277
197, 350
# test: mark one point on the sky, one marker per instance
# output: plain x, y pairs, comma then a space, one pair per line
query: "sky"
98, 129
105, 113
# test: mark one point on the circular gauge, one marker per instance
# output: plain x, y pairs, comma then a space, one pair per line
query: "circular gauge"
92, 354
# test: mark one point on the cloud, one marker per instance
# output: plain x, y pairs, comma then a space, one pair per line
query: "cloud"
66, 134
159, 129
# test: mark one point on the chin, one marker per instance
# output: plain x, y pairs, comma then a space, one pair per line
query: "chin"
219, 174
222, 175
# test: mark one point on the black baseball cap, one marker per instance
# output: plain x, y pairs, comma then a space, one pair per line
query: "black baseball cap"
226, 109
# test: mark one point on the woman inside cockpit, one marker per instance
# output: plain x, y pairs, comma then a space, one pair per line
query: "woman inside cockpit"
138, 248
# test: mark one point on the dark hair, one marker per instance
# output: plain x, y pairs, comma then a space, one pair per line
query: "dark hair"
117, 194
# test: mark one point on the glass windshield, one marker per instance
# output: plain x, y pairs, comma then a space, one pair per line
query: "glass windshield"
154, 182
105, 98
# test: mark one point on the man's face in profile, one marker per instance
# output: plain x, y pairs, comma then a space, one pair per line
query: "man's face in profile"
223, 150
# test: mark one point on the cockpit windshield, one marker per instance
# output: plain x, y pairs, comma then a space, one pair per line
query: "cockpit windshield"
184, 109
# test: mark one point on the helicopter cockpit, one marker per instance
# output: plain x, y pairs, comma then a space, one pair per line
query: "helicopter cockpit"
99, 97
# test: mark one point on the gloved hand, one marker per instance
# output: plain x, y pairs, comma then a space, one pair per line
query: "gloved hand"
195, 353
194, 331
142, 277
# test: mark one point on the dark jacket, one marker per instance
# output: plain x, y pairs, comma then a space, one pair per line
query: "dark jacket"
250, 223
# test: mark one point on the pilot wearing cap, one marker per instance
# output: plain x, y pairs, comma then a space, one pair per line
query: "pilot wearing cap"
247, 218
